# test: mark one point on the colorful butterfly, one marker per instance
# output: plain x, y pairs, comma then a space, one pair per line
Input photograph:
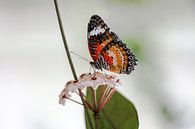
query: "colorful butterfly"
107, 50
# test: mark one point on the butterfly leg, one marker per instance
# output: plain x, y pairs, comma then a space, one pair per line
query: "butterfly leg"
106, 76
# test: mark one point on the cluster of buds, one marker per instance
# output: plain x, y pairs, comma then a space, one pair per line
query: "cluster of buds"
100, 89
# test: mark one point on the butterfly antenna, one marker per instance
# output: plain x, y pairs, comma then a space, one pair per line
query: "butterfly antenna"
79, 56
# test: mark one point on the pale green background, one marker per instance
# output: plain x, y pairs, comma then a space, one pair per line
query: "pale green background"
34, 67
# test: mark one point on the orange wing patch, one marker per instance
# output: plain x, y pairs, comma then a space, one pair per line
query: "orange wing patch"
114, 57
96, 46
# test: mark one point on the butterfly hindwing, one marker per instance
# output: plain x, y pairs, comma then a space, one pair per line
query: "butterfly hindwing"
116, 57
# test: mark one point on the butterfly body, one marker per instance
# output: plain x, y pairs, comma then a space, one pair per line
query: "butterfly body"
107, 50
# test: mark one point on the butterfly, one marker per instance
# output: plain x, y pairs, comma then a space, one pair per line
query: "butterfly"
107, 50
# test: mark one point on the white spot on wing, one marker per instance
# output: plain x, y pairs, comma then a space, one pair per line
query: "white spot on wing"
112, 54
96, 31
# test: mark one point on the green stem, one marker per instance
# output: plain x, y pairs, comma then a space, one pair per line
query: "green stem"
96, 119
64, 40
68, 55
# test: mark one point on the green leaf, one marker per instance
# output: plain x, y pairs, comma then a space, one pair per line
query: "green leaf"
119, 113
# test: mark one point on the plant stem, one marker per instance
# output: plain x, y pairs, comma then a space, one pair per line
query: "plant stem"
64, 40
69, 57
96, 119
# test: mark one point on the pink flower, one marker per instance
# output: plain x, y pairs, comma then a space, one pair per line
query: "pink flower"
97, 83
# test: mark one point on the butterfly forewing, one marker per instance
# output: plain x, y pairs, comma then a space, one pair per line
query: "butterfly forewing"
98, 36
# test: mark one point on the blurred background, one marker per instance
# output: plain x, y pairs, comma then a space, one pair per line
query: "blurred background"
34, 67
